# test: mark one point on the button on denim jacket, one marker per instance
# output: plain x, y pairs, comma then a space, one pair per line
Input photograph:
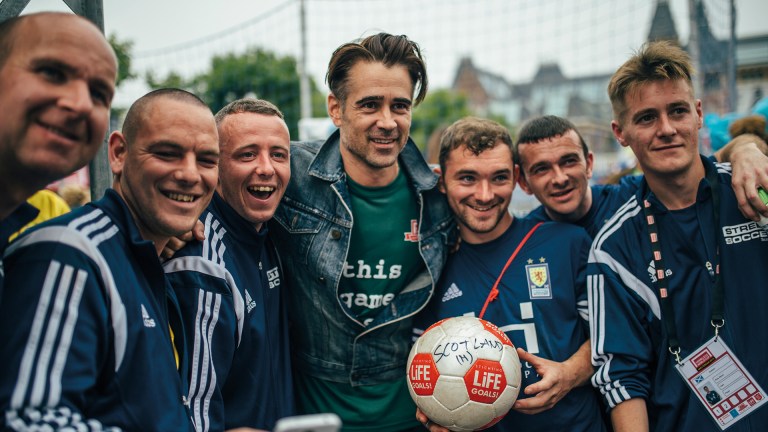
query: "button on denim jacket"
312, 229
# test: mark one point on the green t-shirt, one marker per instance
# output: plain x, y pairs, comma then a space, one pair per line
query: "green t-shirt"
381, 407
384, 248
383, 258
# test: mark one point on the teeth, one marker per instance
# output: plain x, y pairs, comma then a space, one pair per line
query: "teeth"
261, 188
382, 141
181, 197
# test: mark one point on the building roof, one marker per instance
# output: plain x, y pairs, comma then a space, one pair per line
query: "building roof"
662, 23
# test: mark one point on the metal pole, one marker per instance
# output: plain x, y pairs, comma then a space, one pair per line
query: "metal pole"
694, 47
732, 93
305, 94
99, 171
11, 8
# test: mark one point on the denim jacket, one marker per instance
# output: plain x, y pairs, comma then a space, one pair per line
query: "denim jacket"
312, 229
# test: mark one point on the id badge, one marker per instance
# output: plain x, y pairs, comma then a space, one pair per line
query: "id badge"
721, 383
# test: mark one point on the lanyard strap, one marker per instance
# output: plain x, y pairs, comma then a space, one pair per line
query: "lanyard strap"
495, 289
718, 294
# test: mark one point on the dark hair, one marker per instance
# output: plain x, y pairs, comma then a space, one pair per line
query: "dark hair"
384, 48
476, 134
542, 128
248, 105
655, 61
136, 113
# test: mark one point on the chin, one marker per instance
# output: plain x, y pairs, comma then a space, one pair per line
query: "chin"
180, 227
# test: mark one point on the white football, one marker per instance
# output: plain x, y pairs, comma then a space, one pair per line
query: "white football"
464, 373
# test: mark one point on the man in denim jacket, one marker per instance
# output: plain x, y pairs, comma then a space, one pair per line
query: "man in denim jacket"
363, 233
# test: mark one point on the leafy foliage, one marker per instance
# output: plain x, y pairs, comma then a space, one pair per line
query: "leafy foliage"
438, 110
255, 73
123, 52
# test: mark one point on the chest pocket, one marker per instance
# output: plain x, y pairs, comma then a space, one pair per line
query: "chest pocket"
299, 229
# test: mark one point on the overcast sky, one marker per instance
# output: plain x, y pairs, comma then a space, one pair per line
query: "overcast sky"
507, 37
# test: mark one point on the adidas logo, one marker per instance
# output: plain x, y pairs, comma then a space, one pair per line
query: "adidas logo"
653, 274
452, 292
148, 322
249, 303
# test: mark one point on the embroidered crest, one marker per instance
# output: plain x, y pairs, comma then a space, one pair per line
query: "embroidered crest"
538, 281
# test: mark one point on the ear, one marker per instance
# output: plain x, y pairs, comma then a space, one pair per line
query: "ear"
618, 132
590, 163
520, 176
440, 180
515, 175
116, 152
334, 109
700, 113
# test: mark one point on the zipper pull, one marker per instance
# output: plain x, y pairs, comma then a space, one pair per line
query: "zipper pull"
710, 269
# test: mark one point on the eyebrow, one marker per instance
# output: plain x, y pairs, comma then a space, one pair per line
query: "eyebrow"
107, 86
210, 153
367, 99
50, 61
252, 146
178, 147
465, 171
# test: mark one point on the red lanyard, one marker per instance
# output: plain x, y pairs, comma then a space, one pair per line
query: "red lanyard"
495, 290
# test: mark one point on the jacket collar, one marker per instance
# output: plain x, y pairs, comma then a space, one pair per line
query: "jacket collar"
327, 164
703, 193
242, 230
114, 205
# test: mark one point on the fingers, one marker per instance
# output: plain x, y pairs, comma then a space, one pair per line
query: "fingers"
525, 356
745, 204
199, 231
176, 243
533, 405
428, 424
421, 417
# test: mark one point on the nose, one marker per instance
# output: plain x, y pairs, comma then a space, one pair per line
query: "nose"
77, 97
483, 193
665, 126
559, 177
386, 119
264, 167
187, 171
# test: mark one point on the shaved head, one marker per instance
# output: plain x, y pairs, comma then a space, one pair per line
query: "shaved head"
138, 112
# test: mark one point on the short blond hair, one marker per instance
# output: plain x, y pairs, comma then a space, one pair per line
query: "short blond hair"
654, 61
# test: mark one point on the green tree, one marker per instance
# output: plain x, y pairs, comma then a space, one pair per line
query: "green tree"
256, 72
438, 110
123, 52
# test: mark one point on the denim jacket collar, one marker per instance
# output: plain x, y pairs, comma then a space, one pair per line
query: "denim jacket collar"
328, 165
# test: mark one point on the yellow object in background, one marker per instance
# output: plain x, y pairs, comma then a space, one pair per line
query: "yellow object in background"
50, 206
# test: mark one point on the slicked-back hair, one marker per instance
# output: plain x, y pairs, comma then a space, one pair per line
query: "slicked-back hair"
383, 48
137, 112
654, 61
543, 128
248, 105
476, 134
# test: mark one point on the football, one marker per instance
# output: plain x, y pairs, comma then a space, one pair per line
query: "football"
464, 373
